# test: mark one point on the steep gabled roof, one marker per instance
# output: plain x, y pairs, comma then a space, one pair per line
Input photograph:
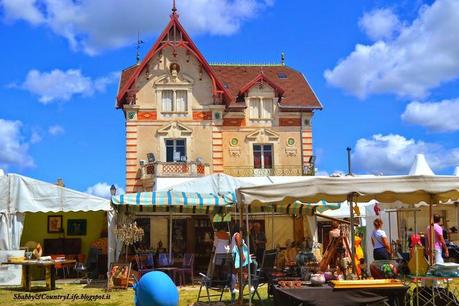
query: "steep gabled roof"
184, 42
297, 92
259, 79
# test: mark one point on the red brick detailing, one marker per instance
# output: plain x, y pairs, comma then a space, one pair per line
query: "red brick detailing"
131, 151
202, 115
131, 132
289, 122
131, 158
131, 138
234, 122
146, 116
134, 185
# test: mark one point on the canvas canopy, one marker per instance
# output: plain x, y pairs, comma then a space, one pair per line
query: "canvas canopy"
386, 189
20, 194
24, 194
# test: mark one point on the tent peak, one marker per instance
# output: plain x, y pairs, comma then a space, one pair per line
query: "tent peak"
420, 166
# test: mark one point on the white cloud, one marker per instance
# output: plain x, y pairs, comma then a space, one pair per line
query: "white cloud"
56, 130
95, 25
63, 85
14, 151
421, 57
35, 137
379, 24
439, 116
102, 189
22, 9
394, 154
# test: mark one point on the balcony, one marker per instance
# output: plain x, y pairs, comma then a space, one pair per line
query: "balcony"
276, 171
152, 170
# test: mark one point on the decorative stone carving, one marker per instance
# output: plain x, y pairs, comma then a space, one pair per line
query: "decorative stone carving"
131, 96
174, 69
235, 152
131, 115
263, 136
234, 142
175, 130
290, 151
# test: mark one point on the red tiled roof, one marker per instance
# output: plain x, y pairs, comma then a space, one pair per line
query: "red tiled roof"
126, 74
297, 92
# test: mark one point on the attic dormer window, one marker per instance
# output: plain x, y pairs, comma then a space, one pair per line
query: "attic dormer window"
281, 75
260, 108
174, 101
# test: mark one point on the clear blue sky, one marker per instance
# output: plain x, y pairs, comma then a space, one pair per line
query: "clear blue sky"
385, 71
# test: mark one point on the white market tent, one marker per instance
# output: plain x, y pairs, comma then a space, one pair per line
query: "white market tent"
20, 194
414, 189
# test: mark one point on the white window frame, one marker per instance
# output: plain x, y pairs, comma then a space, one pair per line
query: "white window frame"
174, 147
262, 114
262, 155
174, 100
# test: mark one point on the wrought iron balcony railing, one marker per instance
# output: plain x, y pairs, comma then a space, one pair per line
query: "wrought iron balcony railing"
275, 171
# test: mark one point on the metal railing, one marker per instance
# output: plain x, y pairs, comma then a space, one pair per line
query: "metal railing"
275, 171
174, 169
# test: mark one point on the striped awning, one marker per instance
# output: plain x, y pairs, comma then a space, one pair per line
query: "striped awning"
174, 198
296, 208
195, 201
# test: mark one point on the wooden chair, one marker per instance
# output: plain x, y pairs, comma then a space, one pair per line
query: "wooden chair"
187, 267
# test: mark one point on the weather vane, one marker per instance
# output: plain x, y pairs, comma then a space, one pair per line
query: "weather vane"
139, 43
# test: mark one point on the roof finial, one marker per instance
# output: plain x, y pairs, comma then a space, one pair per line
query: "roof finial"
174, 9
139, 43
283, 58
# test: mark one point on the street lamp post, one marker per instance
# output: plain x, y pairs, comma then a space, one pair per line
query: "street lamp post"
113, 190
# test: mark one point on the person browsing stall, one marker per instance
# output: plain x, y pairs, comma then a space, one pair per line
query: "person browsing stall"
439, 240
381, 246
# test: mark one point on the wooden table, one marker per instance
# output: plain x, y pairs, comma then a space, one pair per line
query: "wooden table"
327, 295
50, 271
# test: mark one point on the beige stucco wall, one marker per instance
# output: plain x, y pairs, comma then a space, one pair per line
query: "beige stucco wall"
190, 71
280, 157
198, 142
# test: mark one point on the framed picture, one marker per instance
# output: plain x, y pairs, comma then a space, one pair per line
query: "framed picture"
118, 276
55, 224
76, 227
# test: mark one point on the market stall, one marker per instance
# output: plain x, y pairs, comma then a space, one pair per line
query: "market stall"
409, 190
21, 196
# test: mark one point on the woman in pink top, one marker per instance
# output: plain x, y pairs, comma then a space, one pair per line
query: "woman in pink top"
439, 241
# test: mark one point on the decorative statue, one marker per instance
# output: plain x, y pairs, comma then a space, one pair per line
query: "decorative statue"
131, 97
174, 69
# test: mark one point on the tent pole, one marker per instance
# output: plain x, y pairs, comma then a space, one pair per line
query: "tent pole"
390, 227
248, 251
272, 227
170, 235
350, 199
431, 230
241, 217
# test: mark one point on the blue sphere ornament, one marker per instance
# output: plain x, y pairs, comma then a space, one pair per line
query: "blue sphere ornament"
155, 289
